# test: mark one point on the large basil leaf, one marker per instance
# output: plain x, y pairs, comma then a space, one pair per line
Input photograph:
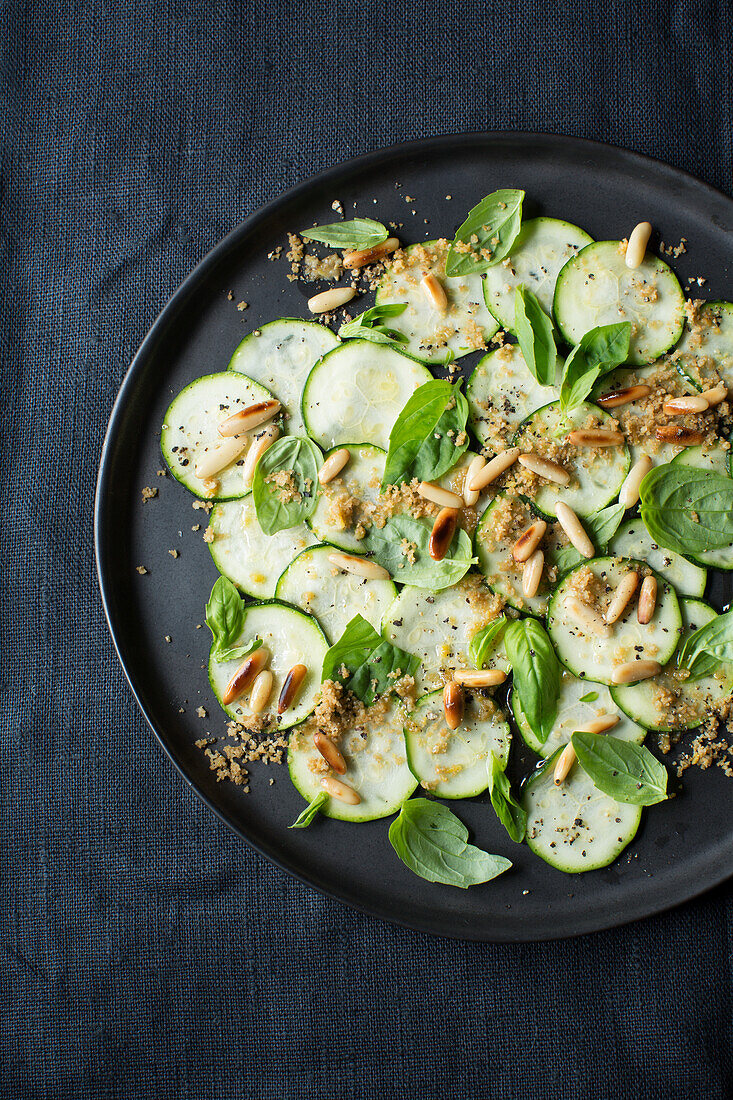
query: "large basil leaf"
536, 336
536, 672
357, 233
621, 769
368, 326
279, 507
403, 537
708, 647
687, 509
601, 528
365, 663
508, 810
304, 819
487, 235
433, 843
485, 641
422, 442
225, 614
600, 350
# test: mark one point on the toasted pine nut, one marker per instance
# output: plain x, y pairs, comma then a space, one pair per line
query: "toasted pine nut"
331, 299
245, 675
683, 437
484, 475
219, 454
248, 418
629, 491
434, 292
619, 600
599, 725
454, 704
634, 671
365, 256
291, 686
574, 529
679, 405
623, 397
260, 693
543, 467
470, 496
529, 540
564, 763
636, 248
715, 395
260, 443
532, 574
647, 600
342, 791
360, 567
333, 465
481, 678
595, 437
590, 621
444, 497
329, 752
442, 533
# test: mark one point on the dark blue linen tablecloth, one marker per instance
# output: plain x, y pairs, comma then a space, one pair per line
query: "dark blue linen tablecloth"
146, 951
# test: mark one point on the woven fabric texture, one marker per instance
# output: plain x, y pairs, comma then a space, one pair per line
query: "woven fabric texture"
147, 952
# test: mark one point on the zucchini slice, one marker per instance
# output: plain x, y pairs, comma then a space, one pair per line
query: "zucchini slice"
502, 392
593, 657
669, 702
338, 510
704, 355
595, 475
292, 638
280, 356
438, 626
580, 701
498, 529
597, 288
191, 426
716, 459
376, 768
575, 827
434, 336
245, 554
632, 540
639, 418
314, 585
452, 763
357, 391
542, 248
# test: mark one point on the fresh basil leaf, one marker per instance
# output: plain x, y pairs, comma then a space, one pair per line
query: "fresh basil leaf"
621, 769
536, 336
433, 843
224, 614
600, 350
365, 663
296, 460
367, 326
601, 528
487, 234
708, 647
357, 233
687, 509
238, 653
422, 442
403, 537
508, 810
485, 640
304, 819
536, 673
590, 697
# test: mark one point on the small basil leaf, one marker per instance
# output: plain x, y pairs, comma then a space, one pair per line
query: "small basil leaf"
708, 647
365, 663
485, 640
590, 697
687, 509
487, 234
600, 350
423, 441
310, 812
536, 673
402, 538
536, 337
508, 810
621, 769
295, 462
224, 614
357, 233
432, 842
367, 325
601, 528
238, 653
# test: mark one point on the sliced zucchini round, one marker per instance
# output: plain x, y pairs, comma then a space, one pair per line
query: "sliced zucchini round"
292, 638
594, 657
595, 475
376, 768
313, 584
498, 529
639, 418
435, 336
542, 248
704, 355
339, 509
438, 627
191, 426
669, 702
357, 391
574, 826
597, 288
280, 355
715, 459
632, 540
452, 763
502, 392
245, 554
579, 702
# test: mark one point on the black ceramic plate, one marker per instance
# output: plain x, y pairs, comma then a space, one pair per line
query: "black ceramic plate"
682, 847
